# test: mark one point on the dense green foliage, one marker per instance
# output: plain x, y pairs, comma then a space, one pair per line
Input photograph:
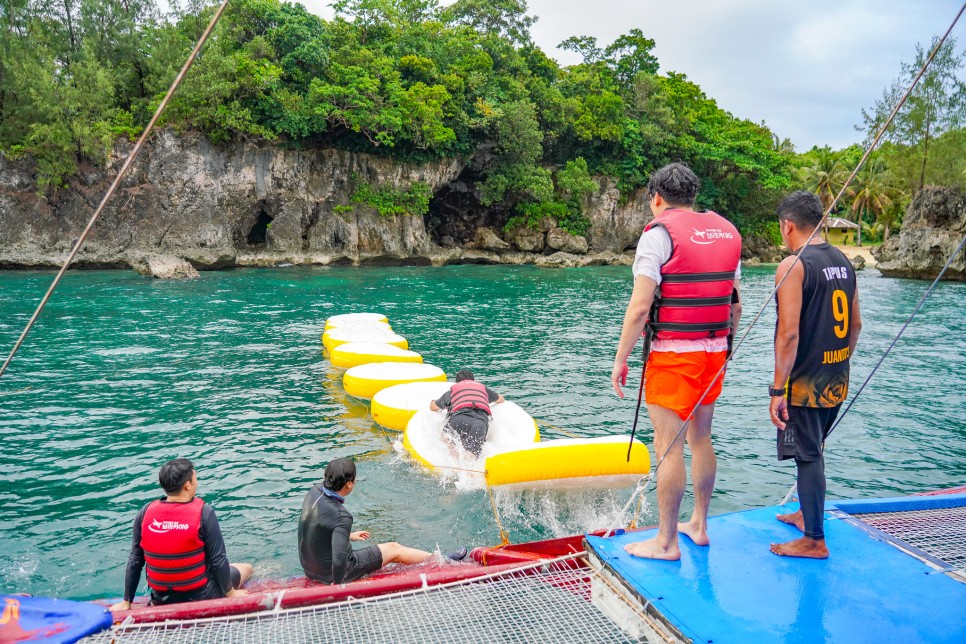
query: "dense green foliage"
390, 201
401, 78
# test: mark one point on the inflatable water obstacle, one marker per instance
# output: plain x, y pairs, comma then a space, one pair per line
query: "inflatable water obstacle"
366, 380
511, 429
338, 336
353, 354
570, 463
394, 406
355, 319
400, 387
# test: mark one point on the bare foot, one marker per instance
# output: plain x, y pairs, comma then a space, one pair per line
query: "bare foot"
803, 547
795, 519
698, 535
651, 549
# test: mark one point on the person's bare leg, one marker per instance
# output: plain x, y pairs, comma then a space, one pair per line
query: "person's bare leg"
793, 518
802, 547
393, 552
670, 487
245, 570
704, 467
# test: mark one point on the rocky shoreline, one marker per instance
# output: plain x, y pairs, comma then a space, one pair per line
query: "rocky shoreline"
188, 205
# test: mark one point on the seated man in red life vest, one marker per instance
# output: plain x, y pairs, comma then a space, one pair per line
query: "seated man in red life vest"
468, 410
179, 539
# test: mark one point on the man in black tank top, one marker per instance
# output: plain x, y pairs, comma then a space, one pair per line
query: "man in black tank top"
815, 336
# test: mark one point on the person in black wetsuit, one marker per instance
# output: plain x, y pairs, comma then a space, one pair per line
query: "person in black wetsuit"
467, 404
815, 336
179, 539
325, 533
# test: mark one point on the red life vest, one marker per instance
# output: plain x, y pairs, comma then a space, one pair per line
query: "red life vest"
697, 281
174, 554
469, 394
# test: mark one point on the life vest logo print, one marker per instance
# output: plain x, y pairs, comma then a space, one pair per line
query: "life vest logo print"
160, 527
709, 235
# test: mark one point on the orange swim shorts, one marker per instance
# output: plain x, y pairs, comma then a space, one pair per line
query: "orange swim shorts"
677, 380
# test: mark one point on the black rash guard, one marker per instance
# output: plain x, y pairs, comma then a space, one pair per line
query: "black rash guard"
324, 549
219, 574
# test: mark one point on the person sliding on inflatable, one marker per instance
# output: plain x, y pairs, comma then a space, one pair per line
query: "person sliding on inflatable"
468, 410
686, 300
325, 533
179, 539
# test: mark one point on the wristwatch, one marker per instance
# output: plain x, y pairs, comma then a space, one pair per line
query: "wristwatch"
772, 391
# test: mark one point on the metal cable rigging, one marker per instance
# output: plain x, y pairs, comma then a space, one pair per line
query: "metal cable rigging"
117, 180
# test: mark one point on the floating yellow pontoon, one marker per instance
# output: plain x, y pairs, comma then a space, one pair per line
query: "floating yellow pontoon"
354, 319
394, 406
353, 354
366, 380
570, 462
511, 428
338, 336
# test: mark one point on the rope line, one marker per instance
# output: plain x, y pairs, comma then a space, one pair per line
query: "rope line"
797, 256
504, 535
117, 181
554, 427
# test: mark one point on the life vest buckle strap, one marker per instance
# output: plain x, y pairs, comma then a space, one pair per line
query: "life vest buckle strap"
691, 327
693, 301
698, 277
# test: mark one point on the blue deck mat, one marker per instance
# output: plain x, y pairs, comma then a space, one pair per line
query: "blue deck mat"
50, 621
738, 591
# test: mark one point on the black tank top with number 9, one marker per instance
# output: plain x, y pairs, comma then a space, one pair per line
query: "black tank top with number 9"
820, 377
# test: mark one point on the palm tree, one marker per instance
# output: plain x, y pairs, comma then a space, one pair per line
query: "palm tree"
825, 178
870, 193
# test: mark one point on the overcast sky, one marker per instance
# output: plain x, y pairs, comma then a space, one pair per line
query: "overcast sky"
805, 68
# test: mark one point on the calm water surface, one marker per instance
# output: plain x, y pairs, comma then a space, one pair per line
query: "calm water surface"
123, 373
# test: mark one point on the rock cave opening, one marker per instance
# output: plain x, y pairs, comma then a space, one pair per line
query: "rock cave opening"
258, 235
455, 213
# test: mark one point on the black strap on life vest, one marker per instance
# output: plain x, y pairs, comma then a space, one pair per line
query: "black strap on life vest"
692, 326
693, 301
685, 278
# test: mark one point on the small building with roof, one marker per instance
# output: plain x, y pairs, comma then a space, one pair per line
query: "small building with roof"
840, 231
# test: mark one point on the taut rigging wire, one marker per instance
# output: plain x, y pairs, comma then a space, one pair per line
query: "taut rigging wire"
117, 180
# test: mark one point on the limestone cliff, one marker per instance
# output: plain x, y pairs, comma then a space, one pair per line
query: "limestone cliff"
248, 204
933, 226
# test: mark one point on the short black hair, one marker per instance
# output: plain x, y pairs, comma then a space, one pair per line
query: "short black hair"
174, 474
339, 473
676, 183
464, 374
802, 208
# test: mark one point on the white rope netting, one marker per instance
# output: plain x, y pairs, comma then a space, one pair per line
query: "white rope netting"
537, 603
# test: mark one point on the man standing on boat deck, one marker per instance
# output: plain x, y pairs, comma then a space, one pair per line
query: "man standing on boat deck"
179, 539
686, 296
467, 405
815, 336
325, 533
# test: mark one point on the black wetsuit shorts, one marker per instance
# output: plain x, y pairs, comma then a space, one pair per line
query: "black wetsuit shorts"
363, 561
805, 432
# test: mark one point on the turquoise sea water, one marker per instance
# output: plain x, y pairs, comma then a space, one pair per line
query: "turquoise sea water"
123, 373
